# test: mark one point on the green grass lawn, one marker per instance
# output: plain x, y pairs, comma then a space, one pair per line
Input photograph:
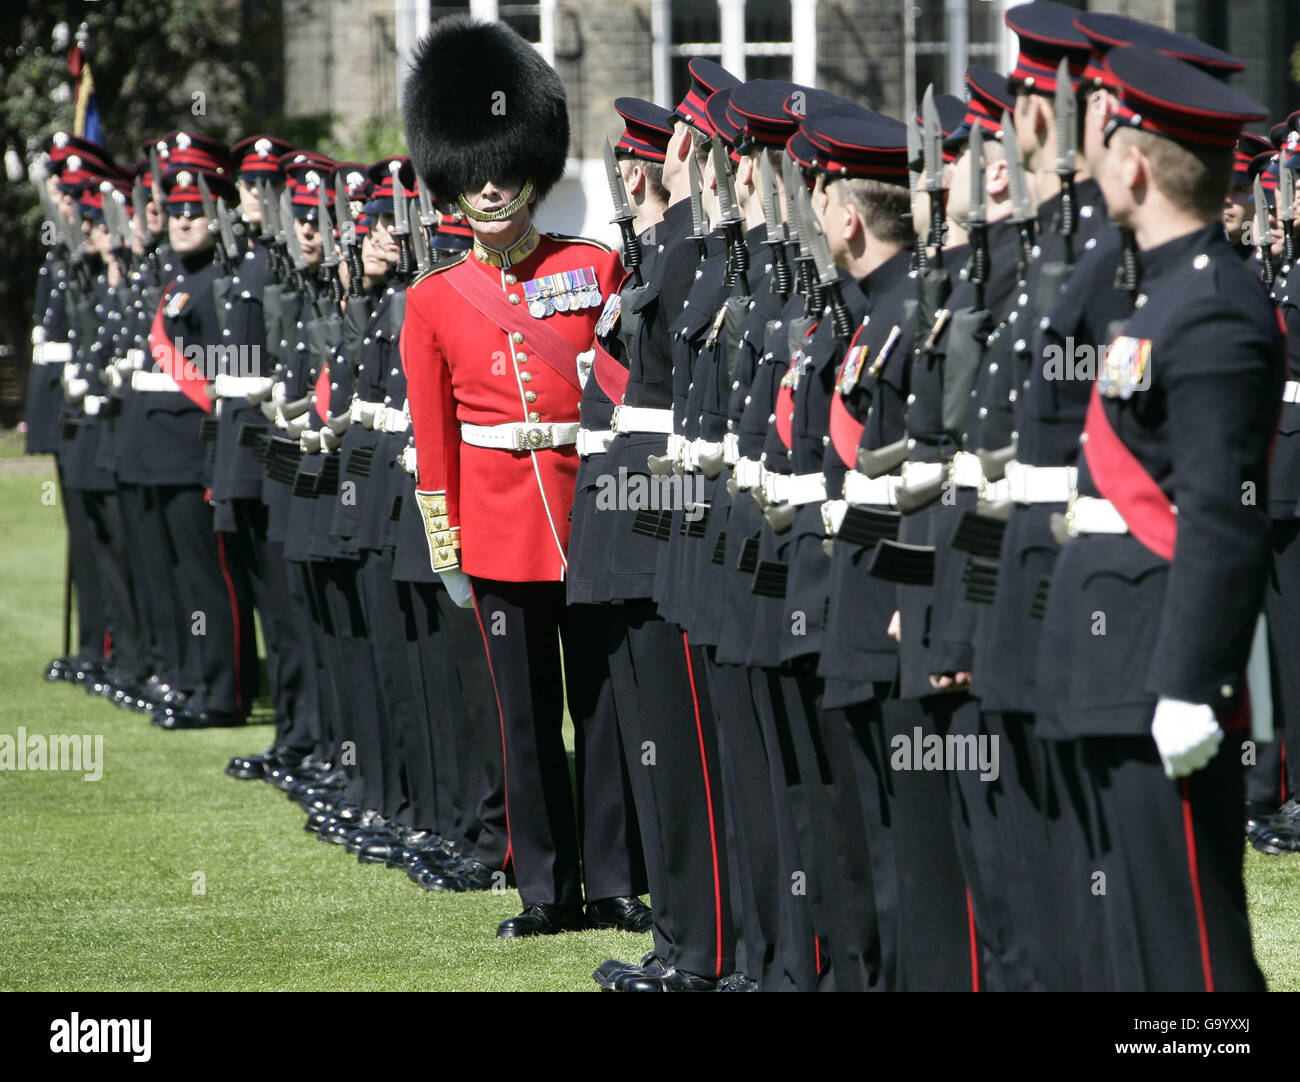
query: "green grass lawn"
98, 879
98, 883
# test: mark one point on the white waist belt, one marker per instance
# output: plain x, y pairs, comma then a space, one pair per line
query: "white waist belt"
996, 491
861, 490
241, 386
1088, 514
1040, 484
748, 473
51, 353
593, 442
1291, 391
796, 489
966, 471
363, 413
916, 474
731, 448
153, 381
629, 419
520, 436
93, 403
833, 512
387, 419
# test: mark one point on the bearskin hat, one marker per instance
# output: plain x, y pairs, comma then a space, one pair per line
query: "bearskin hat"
481, 104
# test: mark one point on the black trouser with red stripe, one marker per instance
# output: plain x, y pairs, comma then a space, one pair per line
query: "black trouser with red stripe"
555, 847
1165, 870
667, 725
218, 622
109, 542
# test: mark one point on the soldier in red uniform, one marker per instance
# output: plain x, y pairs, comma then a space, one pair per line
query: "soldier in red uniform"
493, 345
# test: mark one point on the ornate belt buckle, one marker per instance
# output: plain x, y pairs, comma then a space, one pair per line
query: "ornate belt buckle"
536, 438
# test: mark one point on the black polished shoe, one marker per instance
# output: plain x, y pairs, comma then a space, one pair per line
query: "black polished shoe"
627, 914
252, 767
478, 876
61, 668
199, 719
315, 821
433, 877
609, 972
674, 980
542, 918
736, 982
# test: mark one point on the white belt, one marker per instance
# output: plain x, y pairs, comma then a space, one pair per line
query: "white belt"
241, 386
833, 512
363, 413
796, 489
1291, 391
52, 353
1088, 514
93, 403
628, 419
917, 474
592, 442
998, 491
861, 490
152, 381
696, 448
388, 419
965, 470
748, 473
38, 335
731, 448
520, 436
1040, 484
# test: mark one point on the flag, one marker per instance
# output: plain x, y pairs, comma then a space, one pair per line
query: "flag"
86, 123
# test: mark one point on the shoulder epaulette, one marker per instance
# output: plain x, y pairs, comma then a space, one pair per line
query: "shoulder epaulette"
567, 239
440, 267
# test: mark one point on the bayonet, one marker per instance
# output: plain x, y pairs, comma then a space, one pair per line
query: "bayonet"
932, 153
1067, 129
977, 219
329, 253
1263, 234
806, 275
227, 231
699, 223
401, 222
214, 227
828, 275
140, 205
1022, 209
155, 176
419, 243
913, 179
732, 223
428, 218
1286, 208
623, 216
780, 282
348, 236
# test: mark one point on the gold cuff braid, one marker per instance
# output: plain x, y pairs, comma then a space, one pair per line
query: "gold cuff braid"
444, 539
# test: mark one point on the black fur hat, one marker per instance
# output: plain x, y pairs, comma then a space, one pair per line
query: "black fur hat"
480, 104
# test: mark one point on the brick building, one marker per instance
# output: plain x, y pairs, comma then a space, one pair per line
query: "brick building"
880, 52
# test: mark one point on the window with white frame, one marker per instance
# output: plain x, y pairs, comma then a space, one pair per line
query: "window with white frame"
941, 41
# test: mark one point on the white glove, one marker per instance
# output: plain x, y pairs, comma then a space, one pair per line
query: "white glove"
1187, 735
586, 362
76, 389
458, 586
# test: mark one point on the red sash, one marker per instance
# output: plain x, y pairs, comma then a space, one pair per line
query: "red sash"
785, 415
322, 395
846, 431
611, 375
1120, 478
189, 380
546, 344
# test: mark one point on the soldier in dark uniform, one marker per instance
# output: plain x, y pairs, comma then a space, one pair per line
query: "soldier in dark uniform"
245, 381
487, 457
1181, 417
163, 446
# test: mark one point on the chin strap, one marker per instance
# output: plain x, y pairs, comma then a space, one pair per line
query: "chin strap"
501, 213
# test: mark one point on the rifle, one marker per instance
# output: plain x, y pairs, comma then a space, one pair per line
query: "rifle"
623, 216
733, 225
781, 282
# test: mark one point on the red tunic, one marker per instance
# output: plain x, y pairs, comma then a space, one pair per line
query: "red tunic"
511, 507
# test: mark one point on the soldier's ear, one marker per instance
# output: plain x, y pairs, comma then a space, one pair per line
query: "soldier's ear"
996, 180
636, 180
